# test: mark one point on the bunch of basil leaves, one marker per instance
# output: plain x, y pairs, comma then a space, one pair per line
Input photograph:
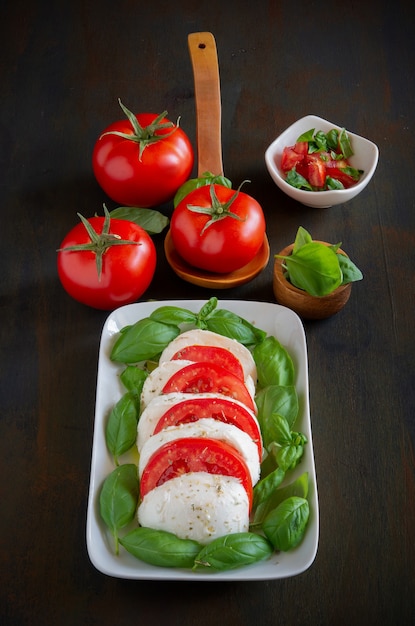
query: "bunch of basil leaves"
317, 268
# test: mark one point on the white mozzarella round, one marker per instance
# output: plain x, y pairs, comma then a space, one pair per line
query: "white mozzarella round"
154, 411
198, 506
208, 428
198, 337
155, 381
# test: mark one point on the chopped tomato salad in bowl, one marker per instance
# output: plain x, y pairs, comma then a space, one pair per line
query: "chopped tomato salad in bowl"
319, 163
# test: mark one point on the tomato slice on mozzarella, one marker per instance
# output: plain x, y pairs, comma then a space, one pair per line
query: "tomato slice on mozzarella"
185, 455
209, 378
211, 354
221, 409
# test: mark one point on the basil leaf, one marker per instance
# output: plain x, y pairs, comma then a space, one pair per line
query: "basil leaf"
314, 268
307, 136
352, 172
153, 222
133, 379
285, 526
277, 399
321, 140
231, 325
333, 183
173, 315
194, 183
266, 486
121, 429
161, 548
296, 180
290, 454
333, 139
233, 551
298, 487
281, 432
274, 364
302, 237
118, 498
143, 340
206, 311
350, 271
344, 144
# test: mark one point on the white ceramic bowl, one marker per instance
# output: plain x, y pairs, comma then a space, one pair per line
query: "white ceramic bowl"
365, 158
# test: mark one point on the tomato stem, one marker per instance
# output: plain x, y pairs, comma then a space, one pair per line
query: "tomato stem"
144, 135
99, 243
218, 210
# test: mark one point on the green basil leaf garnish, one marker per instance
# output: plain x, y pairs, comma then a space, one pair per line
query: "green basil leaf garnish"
194, 183
173, 315
231, 325
314, 268
160, 548
233, 551
121, 429
298, 487
144, 340
285, 525
152, 221
278, 399
274, 364
350, 271
118, 499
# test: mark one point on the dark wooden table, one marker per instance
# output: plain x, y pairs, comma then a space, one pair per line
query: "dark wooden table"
63, 66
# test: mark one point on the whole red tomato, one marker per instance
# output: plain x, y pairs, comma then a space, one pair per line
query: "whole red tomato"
217, 229
106, 263
143, 160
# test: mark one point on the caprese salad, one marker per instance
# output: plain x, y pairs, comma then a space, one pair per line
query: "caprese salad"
320, 161
213, 420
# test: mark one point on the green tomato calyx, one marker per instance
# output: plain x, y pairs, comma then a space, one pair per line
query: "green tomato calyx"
100, 242
144, 135
218, 210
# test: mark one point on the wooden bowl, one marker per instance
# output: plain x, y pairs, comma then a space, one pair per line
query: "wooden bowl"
306, 306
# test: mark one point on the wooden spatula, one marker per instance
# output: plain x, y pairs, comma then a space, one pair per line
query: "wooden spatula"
203, 54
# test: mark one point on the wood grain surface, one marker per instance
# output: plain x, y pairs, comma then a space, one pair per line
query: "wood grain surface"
63, 67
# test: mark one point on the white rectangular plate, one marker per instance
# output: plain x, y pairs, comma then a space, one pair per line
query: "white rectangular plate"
288, 329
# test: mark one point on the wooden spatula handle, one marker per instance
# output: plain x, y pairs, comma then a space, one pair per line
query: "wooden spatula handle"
203, 54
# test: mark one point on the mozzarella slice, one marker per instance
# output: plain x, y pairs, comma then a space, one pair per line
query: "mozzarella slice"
155, 381
151, 415
210, 429
198, 337
198, 506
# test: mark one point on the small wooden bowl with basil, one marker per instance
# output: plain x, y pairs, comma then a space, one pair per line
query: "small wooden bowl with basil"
313, 278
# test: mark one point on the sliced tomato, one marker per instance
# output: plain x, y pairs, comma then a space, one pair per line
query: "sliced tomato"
316, 171
290, 158
342, 176
205, 377
221, 409
194, 454
301, 147
211, 354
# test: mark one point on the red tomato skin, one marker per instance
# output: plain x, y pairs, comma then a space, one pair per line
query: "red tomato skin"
340, 175
194, 454
316, 170
211, 354
221, 409
290, 158
203, 377
127, 270
226, 245
152, 180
